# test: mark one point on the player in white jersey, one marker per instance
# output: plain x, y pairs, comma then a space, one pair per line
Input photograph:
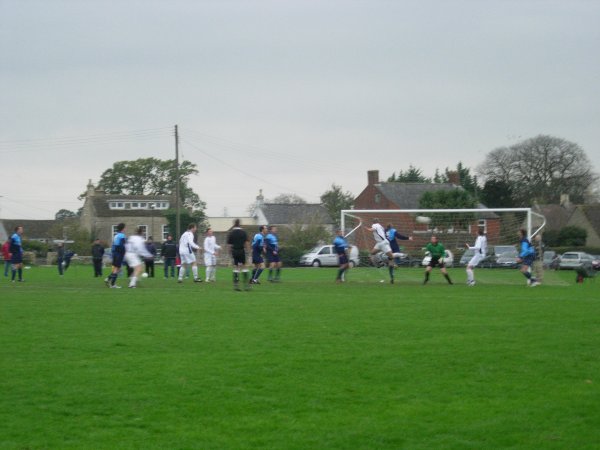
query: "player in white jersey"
187, 253
382, 245
480, 249
211, 248
135, 252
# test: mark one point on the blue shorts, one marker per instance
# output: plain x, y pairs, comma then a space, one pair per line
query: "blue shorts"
273, 258
16, 258
343, 259
117, 260
527, 260
257, 258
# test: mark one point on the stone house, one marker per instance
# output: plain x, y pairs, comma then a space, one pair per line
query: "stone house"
102, 213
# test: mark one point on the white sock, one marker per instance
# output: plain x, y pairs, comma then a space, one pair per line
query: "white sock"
133, 281
181, 272
195, 272
470, 277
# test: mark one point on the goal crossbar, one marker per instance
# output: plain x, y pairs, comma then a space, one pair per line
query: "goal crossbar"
354, 213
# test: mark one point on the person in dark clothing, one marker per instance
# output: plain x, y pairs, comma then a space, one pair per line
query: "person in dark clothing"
237, 241
150, 261
97, 255
168, 252
60, 258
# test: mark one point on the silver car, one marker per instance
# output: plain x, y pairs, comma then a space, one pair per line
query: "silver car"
573, 260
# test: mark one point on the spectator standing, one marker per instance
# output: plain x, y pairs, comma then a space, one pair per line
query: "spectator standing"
97, 255
168, 251
151, 248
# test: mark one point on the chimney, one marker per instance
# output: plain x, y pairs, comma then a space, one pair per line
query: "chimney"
260, 199
373, 177
454, 178
564, 200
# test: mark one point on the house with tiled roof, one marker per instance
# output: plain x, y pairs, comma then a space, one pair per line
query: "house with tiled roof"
397, 195
567, 214
33, 230
291, 214
102, 212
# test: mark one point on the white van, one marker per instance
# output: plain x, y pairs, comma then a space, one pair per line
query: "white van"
324, 255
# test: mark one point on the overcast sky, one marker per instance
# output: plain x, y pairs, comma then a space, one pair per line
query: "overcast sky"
285, 96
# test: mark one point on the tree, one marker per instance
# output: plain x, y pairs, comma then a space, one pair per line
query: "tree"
572, 236
334, 200
412, 175
540, 169
449, 199
497, 194
197, 216
63, 214
289, 199
72, 230
151, 176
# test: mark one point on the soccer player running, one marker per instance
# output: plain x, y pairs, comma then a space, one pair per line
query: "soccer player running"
480, 249
272, 250
16, 254
393, 237
118, 255
211, 249
258, 248
437, 252
135, 254
340, 246
382, 245
237, 241
187, 253
526, 258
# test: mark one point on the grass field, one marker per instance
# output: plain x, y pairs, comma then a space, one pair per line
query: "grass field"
304, 364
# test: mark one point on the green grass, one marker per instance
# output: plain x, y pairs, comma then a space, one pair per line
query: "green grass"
302, 364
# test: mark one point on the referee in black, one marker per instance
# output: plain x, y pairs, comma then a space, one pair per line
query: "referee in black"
237, 241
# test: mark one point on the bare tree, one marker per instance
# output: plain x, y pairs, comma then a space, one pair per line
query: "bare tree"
540, 169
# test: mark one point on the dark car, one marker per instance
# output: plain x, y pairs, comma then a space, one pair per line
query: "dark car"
596, 262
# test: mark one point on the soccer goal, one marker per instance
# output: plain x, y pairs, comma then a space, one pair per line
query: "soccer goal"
453, 227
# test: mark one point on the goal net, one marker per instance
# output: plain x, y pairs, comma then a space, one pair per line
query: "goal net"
453, 227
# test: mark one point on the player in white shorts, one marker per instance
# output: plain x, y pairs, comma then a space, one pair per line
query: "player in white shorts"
211, 249
135, 250
382, 245
187, 253
480, 249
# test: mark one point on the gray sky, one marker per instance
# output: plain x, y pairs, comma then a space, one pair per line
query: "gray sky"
285, 96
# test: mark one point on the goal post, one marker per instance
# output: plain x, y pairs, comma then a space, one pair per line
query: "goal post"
454, 227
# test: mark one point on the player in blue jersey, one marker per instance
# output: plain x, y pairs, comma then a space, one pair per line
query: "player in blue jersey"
526, 258
16, 252
118, 255
340, 246
272, 250
393, 236
258, 248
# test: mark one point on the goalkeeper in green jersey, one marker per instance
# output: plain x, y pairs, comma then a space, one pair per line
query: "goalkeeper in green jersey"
437, 252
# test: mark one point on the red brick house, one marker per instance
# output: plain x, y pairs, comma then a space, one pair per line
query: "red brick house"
396, 195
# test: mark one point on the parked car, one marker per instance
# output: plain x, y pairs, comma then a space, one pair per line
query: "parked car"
550, 259
324, 255
507, 259
448, 259
572, 260
596, 262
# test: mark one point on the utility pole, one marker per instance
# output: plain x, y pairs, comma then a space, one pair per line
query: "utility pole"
177, 193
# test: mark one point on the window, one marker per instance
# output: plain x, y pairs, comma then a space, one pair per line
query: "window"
143, 205
135, 205
482, 223
377, 197
114, 230
165, 232
144, 231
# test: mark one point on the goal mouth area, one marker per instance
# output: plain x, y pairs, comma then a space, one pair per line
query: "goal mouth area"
455, 228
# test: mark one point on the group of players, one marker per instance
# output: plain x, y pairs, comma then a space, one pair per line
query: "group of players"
131, 252
386, 247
